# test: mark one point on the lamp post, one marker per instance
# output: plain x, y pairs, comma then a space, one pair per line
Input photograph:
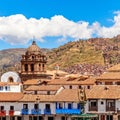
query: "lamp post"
38, 100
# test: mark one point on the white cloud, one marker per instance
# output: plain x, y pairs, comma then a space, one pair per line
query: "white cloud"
17, 29
114, 30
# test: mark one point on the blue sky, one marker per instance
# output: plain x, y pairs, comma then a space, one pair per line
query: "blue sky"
55, 22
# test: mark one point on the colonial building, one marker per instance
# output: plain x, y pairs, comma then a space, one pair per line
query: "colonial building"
36, 94
111, 77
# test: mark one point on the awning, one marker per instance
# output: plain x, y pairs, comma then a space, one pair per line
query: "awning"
87, 115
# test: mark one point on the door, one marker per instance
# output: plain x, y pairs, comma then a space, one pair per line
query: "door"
50, 118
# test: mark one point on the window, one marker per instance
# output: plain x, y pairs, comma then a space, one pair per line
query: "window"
35, 92
39, 67
60, 105
108, 83
80, 87
7, 88
1, 107
63, 118
70, 87
33, 57
32, 67
78, 106
47, 106
36, 106
88, 87
10, 79
110, 103
25, 106
69, 106
48, 92
94, 103
1, 88
102, 102
43, 66
11, 107
26, 67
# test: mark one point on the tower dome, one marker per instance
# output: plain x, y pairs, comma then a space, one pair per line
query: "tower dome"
33, 49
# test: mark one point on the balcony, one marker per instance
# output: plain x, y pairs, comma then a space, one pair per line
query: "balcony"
111, 108
2, 112
93, 108
68, 111
11, 112
36, 111
25, 112
47, 111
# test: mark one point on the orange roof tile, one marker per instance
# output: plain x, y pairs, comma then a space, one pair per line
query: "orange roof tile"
43, 88
109, 76
69, 95
104, 92
66, 95
35, 81
10, 96
9, 83
115, 68
68, 81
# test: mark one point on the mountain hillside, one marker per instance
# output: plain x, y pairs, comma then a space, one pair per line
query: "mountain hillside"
94, 52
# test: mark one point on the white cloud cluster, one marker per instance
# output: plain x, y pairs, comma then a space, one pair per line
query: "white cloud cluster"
17, 29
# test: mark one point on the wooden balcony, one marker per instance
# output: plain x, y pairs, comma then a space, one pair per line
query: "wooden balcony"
11, 112
110, 108
91, 108
2, 112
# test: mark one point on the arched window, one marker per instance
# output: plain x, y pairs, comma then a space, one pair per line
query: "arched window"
43, 67
10, 79
26, 67
33, 57
32, 67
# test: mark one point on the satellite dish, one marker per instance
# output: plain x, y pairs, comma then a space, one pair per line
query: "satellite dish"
10, 77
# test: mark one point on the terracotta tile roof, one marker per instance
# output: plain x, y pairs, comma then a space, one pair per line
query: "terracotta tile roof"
43, 88
35, 81
66, 95
2, 83
69, 95
9, 83
109, 76
115, 68
10, 96
33, 98
104, 92
75, 81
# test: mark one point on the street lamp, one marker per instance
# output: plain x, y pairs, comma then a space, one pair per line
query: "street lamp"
38, 100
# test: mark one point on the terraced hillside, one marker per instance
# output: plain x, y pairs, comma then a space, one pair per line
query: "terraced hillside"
94, 51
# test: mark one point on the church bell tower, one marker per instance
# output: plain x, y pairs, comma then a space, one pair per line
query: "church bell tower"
33, 63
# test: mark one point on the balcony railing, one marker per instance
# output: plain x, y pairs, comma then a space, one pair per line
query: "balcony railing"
68, 111
36, 111
110, 108
47, 111
2, 112
11, 112
25, 111
93, 108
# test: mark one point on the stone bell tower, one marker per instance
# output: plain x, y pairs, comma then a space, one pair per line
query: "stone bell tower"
33, 63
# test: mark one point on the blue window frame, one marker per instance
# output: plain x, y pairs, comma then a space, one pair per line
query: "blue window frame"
69, 105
